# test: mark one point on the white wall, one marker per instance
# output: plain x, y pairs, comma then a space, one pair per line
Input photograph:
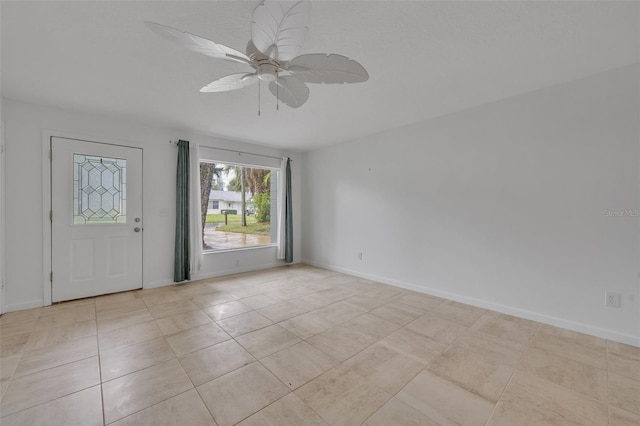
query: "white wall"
502, 206
24, 211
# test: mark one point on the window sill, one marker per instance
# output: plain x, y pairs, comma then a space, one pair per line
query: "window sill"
265, 246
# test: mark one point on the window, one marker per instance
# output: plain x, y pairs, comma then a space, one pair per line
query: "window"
249, 193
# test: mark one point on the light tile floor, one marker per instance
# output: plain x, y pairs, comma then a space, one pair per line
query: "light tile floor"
303, 346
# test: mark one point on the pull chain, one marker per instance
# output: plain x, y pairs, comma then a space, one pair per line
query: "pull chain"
258, 97
277, 92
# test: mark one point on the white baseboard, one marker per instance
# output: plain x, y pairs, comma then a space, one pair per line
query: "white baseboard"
24, 305
207, 275
156, 284
233, 271
521, 313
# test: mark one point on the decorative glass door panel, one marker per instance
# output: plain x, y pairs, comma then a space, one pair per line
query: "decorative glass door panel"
99, 189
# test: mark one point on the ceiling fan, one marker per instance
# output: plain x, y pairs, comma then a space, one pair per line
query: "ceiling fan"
278, 29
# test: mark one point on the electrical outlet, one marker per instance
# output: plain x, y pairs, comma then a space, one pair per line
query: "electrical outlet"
612, 299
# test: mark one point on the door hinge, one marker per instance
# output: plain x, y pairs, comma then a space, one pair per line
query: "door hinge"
50, 215
51, 276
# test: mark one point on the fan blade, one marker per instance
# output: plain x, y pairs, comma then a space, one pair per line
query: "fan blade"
278, 28
328, 69
290, 90
198, 44
253, 53
231, 82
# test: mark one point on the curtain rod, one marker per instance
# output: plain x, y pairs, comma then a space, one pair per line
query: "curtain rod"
239, 152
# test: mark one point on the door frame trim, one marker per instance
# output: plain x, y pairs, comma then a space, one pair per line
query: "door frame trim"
47, 188
3, 215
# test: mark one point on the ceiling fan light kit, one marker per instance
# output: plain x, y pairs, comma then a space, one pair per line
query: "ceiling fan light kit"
278, 29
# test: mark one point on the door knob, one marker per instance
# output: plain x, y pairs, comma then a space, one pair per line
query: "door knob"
136, 229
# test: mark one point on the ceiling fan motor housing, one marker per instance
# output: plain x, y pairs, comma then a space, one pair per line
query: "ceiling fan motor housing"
267, 71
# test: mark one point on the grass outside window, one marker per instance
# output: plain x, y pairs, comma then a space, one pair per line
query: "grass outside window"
232, 218
251, 228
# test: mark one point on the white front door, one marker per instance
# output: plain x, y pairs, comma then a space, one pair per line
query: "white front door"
96, 228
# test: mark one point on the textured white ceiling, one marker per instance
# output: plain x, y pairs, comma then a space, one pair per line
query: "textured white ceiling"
424, 59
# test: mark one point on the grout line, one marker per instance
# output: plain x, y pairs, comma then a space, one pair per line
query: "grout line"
13, 373
495, 406
384, 405
515, 370
147, 368
606, 386
50, 401
150, 406
205, 404
104, 419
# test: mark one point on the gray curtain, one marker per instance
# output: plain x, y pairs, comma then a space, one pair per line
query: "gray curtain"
288, 218
181, 267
